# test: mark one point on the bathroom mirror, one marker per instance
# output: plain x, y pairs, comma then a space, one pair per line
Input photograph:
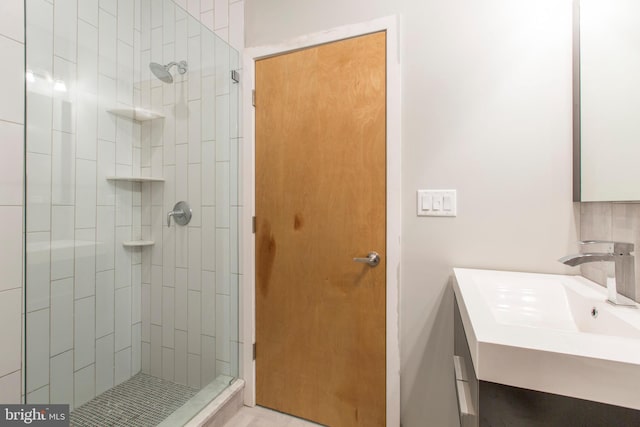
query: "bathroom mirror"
607, 100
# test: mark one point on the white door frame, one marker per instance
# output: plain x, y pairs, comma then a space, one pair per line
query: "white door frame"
247, 243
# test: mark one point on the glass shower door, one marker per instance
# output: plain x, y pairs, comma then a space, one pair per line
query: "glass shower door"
123, 312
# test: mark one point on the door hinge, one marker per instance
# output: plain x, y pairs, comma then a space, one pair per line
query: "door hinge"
253, 97
254, 351
235, 76
253, 225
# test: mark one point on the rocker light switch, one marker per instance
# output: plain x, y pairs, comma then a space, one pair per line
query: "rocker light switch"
436, 203
427, 202
446, 202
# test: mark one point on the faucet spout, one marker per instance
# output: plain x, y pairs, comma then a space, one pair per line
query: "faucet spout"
578, 259
620, 255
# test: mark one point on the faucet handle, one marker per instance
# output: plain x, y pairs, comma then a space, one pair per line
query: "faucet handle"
618, 248
181, 214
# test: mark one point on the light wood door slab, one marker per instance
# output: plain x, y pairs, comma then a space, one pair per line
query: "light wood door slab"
320, 202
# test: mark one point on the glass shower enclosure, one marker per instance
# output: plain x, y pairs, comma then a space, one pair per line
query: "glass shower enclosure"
131, 108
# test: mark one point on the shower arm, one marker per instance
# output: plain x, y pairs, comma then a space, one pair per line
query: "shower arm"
182, 66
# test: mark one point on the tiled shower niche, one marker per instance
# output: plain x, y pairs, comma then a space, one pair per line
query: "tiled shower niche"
166, 304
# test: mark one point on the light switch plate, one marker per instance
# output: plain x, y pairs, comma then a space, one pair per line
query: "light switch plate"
437, 203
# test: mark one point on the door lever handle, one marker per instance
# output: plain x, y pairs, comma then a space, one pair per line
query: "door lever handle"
372, 259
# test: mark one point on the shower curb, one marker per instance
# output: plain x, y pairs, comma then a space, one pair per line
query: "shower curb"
222, 408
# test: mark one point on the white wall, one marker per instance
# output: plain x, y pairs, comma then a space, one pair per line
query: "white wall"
486, 110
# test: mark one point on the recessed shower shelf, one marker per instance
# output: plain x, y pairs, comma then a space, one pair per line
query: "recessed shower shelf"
137, 243
135, 113
134, 179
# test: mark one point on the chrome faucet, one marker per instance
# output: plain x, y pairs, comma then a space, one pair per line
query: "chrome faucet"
618, 253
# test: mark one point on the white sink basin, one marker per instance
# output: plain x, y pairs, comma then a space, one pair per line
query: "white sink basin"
593, 315
555, 302
539, 331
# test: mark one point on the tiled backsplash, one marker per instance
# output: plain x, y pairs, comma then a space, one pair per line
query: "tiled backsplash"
618, 222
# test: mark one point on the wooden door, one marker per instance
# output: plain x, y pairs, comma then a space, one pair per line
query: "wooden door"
320, 202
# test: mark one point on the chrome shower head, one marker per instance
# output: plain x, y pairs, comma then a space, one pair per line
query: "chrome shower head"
162, 71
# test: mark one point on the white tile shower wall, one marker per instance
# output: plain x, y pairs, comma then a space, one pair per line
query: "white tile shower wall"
190, 268
11, 200
224, 17
83, 284
96, 74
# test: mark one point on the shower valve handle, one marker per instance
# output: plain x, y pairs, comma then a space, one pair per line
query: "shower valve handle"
181, 214
177, 213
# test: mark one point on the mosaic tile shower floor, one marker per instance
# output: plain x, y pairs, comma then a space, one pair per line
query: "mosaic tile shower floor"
142, 401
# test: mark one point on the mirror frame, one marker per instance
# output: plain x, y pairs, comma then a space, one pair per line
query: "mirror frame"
577, 171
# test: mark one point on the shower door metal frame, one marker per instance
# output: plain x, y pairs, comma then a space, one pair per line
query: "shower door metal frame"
394, 199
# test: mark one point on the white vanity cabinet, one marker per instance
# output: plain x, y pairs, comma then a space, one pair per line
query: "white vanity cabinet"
484, 403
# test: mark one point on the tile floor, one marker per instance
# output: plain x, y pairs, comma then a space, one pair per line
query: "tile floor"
262, 417
139, 402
